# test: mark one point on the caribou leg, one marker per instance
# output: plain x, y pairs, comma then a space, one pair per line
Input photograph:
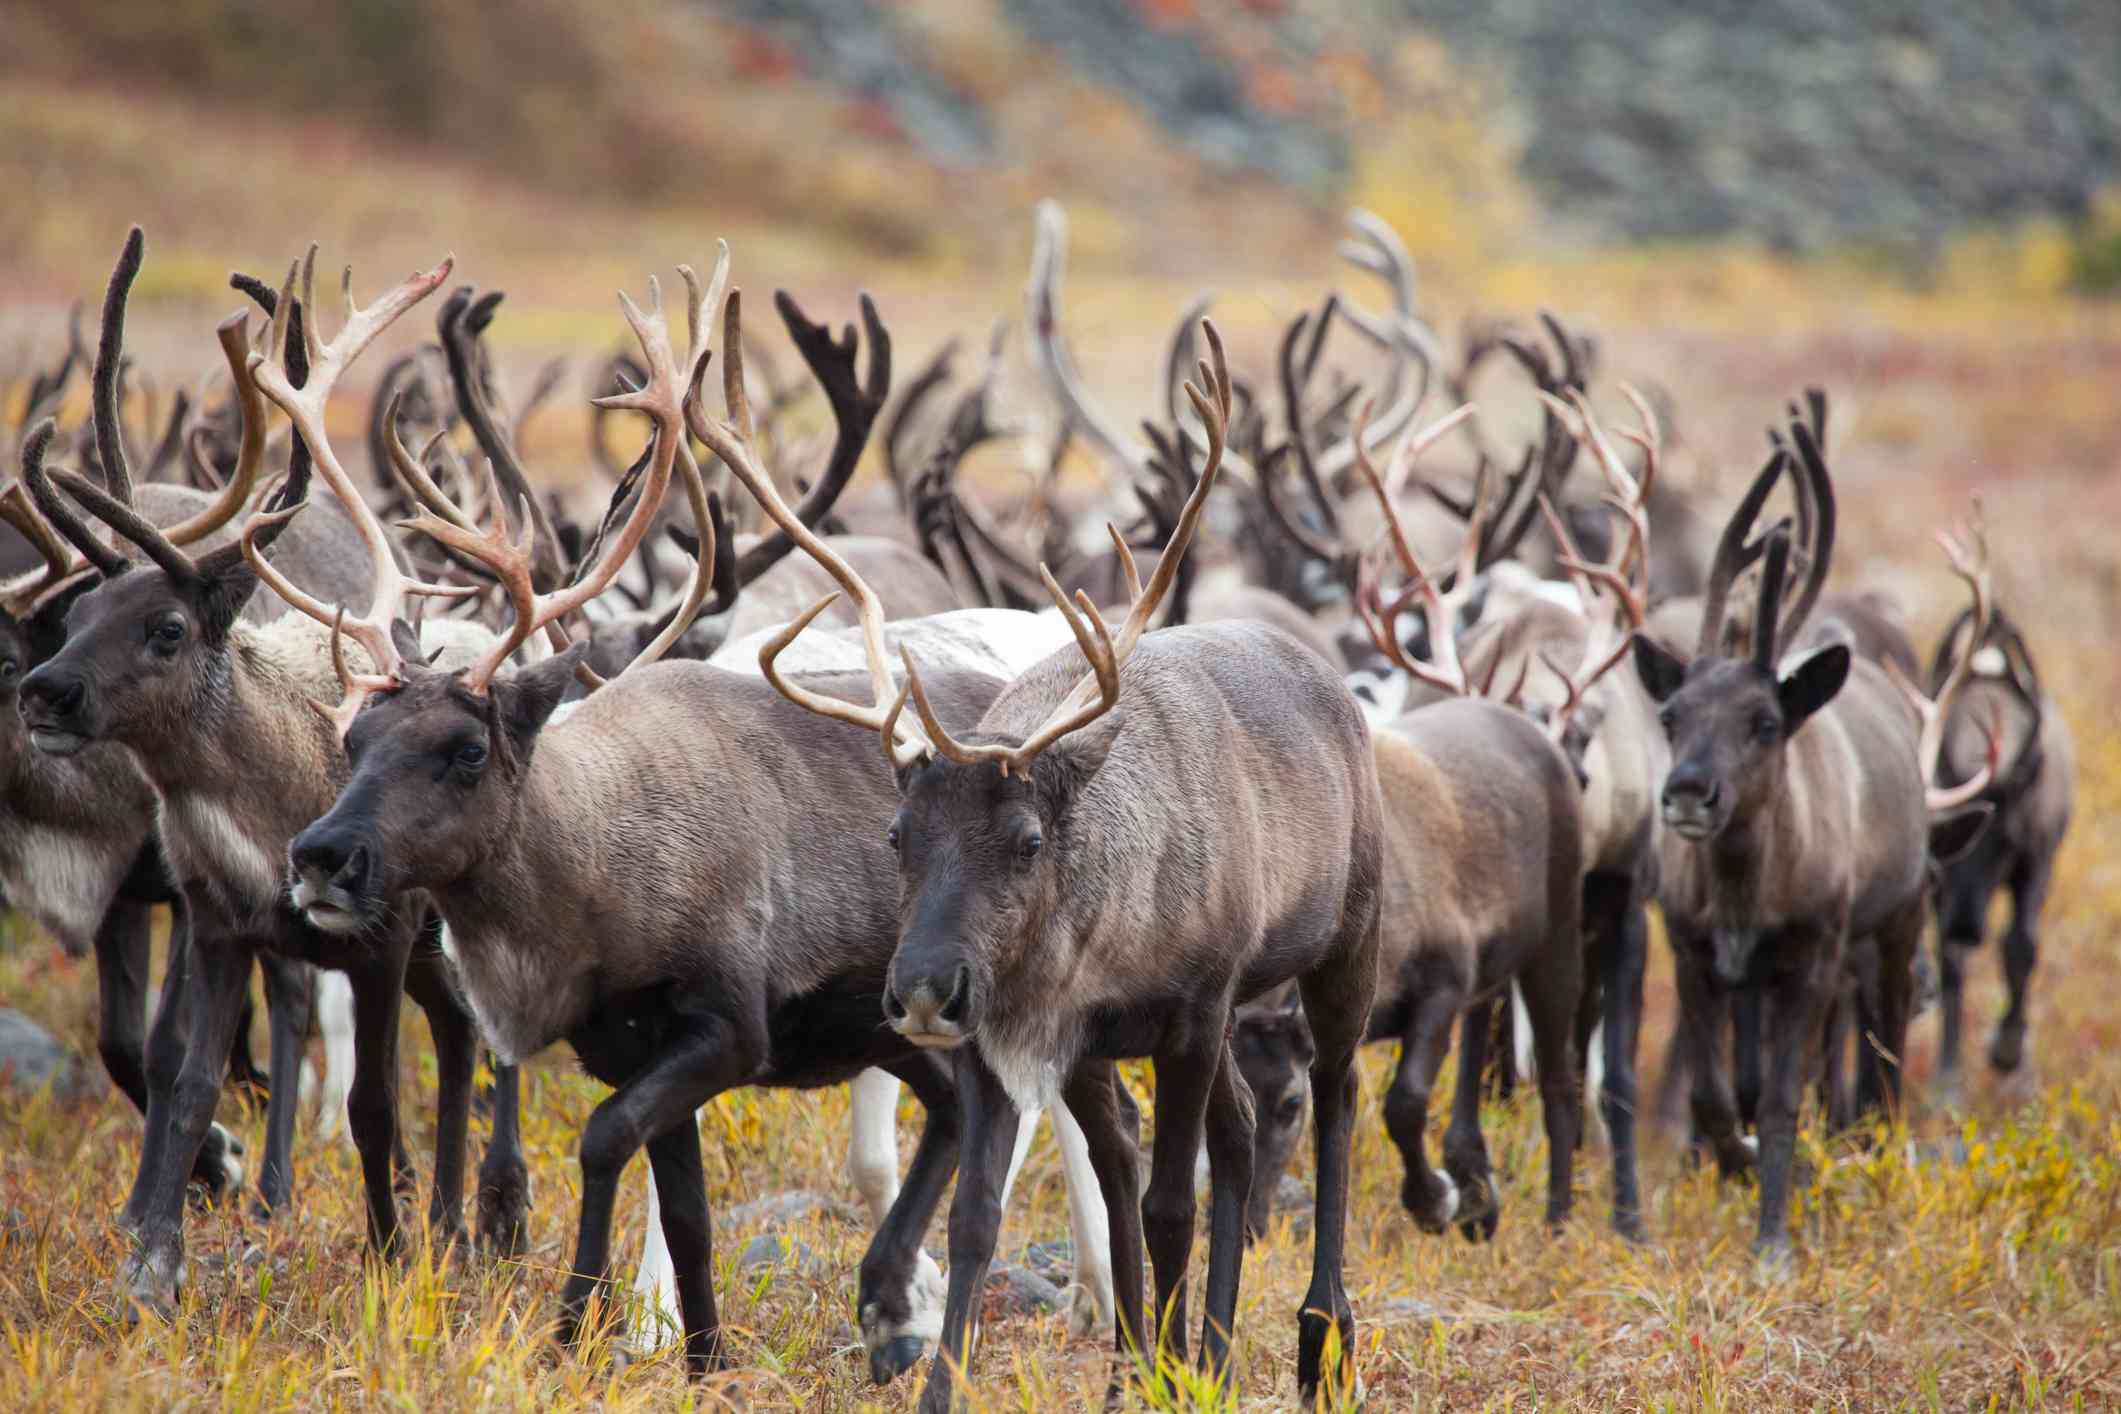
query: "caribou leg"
1796, 1003
1185, 1076
288, 985
689, 1068
121, 996
1745, 1011
688, 1233
428, 983
989, 1119
1337, 1000
1429, 1195
2021, 953
213, 979
504, 1176
901, 1289
1951, 1009
1623, 955
1703, 1008
1550, 997
372, 1103
1111, 1128
1465, 1150
1230, 1128
1089, 1226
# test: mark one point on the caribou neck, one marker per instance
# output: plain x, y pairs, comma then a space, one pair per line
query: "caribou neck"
257, 766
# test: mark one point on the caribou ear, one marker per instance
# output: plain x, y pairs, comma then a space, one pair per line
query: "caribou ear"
224, 585
1661, 671
528, 696
1951, 836
1812, 684
406, 639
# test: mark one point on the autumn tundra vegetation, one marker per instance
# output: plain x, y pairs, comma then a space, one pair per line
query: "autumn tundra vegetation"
1180, 727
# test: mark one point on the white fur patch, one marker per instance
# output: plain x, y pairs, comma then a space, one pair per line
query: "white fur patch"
1450, 1194
206, 842
65, 884
1031, 1079
872, 1140
513, 1002
335, 1022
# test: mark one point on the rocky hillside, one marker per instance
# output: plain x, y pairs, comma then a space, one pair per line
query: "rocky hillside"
1798, 124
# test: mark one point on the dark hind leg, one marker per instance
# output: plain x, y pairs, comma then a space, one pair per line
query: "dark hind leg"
504, 1176
1550, 994
428, 983
1230, 1133
1337, 999
1465, 1151
1622, 945
1430, 1197
289, 986
1888, 995
2021, 953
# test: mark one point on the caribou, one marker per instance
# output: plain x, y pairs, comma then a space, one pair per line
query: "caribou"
685, 951
1796, 820
1039, 852
215, 713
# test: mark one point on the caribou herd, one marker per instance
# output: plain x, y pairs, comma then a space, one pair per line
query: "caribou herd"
786, 782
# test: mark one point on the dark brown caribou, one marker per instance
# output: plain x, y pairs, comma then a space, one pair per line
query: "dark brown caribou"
698, 930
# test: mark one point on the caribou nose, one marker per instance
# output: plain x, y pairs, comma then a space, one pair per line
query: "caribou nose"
330, 855
932, 1006
1692, 788
50, 698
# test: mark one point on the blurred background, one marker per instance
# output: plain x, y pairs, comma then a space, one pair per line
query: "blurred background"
1914, 202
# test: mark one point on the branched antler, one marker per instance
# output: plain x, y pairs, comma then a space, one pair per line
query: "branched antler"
1967, 550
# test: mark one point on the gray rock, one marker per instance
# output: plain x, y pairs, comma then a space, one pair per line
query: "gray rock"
1411, 1308
1055, 1261
32, 1058
779, 1209
766, 1250
1019, 1291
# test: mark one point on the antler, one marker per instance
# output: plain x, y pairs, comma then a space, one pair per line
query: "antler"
661, 398
1095, 694
1968, 553
1042, 324
1441, 610
305, 408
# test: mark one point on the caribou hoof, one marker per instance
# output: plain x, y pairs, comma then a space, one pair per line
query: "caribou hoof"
1431, 1205
1629, 1226
504, 1219
149, 1286
1773, 1260
2007, 1051
1084, 1317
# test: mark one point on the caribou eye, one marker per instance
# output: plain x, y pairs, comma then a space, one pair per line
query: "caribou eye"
1027, 848
1667, 719
166, 634
891, 837
8, 669
1290, 1109
1766, 727
470, 756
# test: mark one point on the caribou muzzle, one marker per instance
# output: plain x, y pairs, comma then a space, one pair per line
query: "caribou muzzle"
335, 874
931, 1006
58, 709
1693, 803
